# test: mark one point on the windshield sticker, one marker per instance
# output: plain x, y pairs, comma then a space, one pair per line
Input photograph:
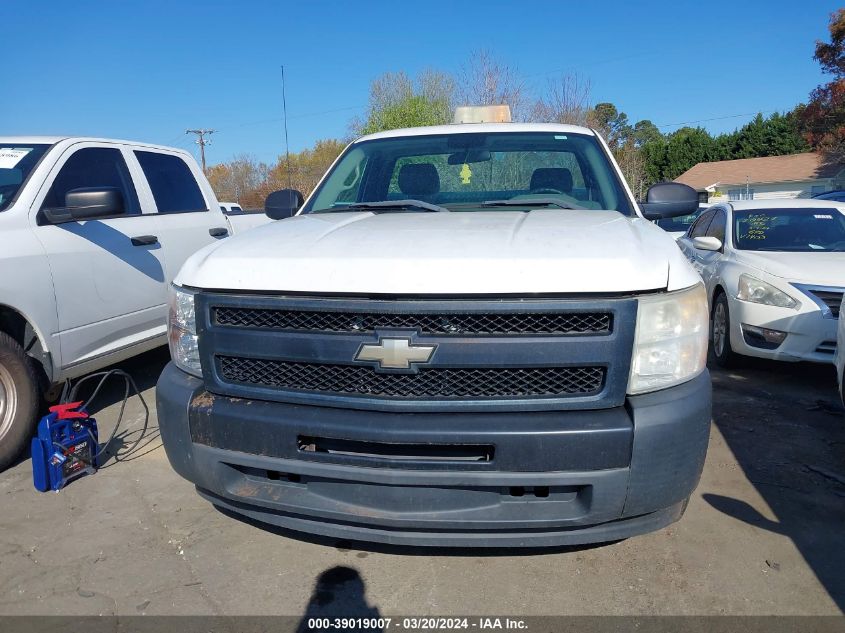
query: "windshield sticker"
11, 156
560, 137
823, 217
756, 227
466, 175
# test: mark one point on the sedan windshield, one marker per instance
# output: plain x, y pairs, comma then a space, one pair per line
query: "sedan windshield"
16, 162
468, 171
800, 230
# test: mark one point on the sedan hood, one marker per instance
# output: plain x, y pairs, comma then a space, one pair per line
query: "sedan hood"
821, 268
544, 251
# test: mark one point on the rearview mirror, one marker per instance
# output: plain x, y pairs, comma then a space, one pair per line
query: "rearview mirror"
88, 203
283, 204
669, 200
707, 243
470, 156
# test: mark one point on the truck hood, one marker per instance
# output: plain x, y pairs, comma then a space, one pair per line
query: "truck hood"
543, 251
821, 268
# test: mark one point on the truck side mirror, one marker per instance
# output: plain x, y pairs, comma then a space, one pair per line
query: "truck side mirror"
283, 204
669, 200
88, 203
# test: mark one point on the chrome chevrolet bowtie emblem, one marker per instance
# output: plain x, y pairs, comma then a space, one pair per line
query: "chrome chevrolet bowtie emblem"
395, 353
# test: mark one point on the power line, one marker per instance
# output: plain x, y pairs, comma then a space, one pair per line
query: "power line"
202, 142
717, 118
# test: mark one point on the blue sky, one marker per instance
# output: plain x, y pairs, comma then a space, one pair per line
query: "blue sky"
149, 70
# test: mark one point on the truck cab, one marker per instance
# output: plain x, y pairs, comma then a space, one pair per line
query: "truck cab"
92, 233
467, 335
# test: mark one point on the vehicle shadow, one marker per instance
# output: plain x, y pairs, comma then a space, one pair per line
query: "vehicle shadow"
786, 428
340, 593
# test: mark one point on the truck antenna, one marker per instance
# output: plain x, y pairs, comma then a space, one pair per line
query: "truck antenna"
285, 115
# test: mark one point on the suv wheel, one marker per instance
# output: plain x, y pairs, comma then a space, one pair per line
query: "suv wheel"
18, 399
721, 333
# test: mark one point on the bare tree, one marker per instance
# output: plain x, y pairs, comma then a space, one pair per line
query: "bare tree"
567, 100
397, 100
486, 80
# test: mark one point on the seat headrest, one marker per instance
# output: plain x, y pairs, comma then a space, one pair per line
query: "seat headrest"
419, 179
559, 178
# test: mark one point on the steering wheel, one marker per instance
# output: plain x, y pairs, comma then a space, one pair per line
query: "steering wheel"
548, 190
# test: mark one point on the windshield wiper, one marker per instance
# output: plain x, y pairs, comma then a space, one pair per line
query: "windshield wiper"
530, 202
389, 205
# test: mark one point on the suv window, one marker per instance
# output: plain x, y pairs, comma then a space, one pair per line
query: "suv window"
174, 187
94, 167
701, 224
717, 226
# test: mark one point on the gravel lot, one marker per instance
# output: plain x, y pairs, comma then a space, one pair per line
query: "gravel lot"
763, 534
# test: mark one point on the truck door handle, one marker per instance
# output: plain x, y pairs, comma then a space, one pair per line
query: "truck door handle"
144, 240
218, 232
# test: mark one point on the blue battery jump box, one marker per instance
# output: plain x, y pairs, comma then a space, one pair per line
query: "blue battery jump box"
65, 447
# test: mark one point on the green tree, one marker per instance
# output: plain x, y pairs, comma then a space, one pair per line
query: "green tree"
610, 123
775, 135
645, 132
687, 147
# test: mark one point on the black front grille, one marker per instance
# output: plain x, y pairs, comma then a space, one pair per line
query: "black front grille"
440, 383
538, 323
831, 298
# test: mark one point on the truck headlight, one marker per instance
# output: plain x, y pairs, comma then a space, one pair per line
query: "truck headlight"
670, 345
757, 291
182, 331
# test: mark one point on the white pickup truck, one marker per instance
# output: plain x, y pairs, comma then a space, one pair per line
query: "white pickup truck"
91, 233
468, 335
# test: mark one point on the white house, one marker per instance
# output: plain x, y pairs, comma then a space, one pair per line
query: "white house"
791, 176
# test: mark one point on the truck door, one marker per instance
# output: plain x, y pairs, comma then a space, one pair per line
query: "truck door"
188, 219
108, 273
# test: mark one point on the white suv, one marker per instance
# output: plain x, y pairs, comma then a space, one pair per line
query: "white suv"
91, 233
468, 335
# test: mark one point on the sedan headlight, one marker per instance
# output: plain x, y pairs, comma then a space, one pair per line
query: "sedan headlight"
757, 291
670, 345
182, 331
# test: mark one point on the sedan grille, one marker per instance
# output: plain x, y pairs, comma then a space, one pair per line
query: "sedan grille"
440, 383
831, 299
536, 323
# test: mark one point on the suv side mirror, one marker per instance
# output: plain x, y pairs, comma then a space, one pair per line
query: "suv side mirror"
707, 243
88, 203
669, 200
283, 204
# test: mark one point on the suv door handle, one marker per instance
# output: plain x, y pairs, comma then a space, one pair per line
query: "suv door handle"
218, 232
144, 240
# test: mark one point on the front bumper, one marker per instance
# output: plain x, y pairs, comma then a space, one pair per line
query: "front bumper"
553, 477
810, 336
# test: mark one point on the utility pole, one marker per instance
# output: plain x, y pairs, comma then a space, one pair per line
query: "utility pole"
202, 142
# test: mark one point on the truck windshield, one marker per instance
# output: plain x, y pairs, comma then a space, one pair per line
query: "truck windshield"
468, 171
16, 162
802, 230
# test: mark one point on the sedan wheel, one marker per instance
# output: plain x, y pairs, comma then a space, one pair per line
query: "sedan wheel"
721, 331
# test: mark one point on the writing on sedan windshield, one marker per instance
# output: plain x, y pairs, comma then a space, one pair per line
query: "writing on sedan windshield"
801, 229
757, 226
